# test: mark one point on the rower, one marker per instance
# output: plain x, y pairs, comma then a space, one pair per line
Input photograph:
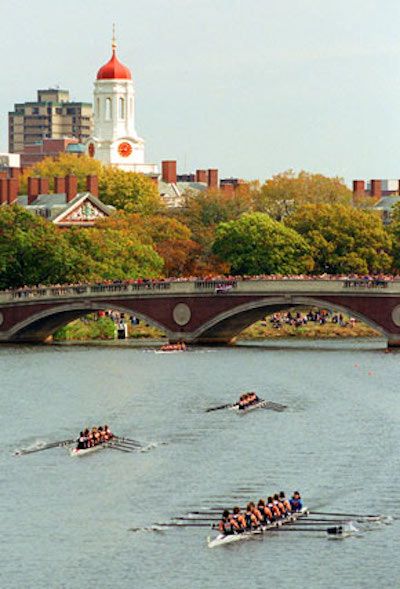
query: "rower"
296, 502
252, 523
256, 512
276, 514
285, 502
265, 512
80, 442
238, 520
108, 433
280, 505
242, 401
225, 525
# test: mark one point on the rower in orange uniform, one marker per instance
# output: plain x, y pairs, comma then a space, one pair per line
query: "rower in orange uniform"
239, 519
265, 512
285, 502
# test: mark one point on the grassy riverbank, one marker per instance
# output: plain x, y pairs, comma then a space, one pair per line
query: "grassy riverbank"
103, 328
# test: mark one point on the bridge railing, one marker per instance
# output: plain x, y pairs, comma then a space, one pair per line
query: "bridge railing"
365, 283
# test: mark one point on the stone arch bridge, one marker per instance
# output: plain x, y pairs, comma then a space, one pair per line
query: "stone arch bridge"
198, 311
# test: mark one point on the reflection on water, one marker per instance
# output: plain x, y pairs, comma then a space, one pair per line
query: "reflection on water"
66, 521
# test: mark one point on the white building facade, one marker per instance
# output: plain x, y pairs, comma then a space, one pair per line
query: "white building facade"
115, 141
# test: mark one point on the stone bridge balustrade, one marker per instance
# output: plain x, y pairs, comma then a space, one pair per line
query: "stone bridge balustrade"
200, 311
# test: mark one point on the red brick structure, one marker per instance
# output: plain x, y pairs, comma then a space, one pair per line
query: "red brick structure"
169, 171
198, 311
35, 153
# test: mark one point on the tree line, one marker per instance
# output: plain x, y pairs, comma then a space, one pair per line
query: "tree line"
291, 224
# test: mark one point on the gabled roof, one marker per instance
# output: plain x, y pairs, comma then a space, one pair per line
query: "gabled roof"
55, 207
386, 203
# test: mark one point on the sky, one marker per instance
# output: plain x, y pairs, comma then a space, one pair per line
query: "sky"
251, 87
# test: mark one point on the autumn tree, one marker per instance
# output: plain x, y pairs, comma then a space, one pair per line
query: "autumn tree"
283, 193
129, 191
256, 244
343, 239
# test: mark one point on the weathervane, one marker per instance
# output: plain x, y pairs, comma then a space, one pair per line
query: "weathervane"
113, 42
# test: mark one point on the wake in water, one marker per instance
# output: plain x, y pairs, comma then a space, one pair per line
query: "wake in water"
152, 446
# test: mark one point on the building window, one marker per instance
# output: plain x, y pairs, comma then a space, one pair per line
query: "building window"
121, 108
97, 107
108, 109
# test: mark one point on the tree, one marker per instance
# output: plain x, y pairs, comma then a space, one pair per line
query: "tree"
256, 244
169, 237
394, 233
130, 191
115, 255
343, 239
65, 163
34, 251
283, 193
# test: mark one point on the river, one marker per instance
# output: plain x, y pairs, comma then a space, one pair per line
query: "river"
66, 522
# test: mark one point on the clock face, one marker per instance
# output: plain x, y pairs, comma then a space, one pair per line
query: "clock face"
125, 149
91, 149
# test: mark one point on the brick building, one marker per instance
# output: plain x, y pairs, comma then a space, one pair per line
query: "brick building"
53, 115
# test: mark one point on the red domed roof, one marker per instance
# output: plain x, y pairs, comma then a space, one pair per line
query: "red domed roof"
114, 69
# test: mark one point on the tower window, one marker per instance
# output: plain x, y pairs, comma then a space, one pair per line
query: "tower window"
108, 109
121, 108
97, 107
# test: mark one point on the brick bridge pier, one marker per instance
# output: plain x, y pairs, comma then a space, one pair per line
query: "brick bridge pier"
199, 311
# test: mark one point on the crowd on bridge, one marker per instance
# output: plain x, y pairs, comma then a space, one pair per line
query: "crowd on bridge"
213, 281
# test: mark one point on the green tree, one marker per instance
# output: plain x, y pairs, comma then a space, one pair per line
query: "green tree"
256, 244
283, 193
343, 239
115, 255
34, 251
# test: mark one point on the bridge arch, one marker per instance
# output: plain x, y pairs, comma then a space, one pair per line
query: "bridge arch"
39, 326
226, 326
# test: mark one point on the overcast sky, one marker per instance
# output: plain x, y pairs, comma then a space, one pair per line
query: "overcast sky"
252, 87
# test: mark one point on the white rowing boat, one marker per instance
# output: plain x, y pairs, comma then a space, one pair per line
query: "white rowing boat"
259, 405
84, 451
222, 539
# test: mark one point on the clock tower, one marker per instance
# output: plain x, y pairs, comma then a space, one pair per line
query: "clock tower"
115, 141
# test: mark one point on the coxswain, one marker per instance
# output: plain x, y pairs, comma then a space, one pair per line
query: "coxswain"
252, 522
80, 442
296, 502
239, 520
265, 512
285, 502
225, 525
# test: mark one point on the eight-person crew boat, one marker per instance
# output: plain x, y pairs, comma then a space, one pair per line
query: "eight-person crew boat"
178, 347
278, 511
92, 440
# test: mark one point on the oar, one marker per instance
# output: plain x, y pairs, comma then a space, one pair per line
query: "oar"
125, 444
114, 447
45, 447
220, 407
366, 516
176, 525
127, 441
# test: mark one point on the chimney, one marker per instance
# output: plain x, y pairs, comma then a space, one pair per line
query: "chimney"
59, 185
3, 191
213, 178
3, 174
376, 189
228, 188
71, 187
92, 185
169, 171
201, 176
43, 186
14, 173
358, 189
33, 189
12, 190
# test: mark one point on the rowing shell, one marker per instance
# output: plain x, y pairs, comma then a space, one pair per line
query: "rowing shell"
222, 539
251, 407
84, 451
